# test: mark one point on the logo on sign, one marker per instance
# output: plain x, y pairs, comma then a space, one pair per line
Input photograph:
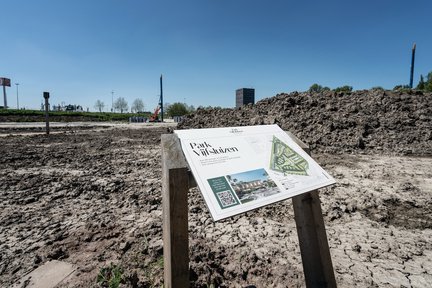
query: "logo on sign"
235, 130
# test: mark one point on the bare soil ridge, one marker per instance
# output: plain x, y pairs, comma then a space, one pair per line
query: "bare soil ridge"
364, 121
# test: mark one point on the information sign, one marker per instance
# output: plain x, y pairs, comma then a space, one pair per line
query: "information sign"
5, 82
242, 168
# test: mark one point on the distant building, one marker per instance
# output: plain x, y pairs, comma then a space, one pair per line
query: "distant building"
245, 96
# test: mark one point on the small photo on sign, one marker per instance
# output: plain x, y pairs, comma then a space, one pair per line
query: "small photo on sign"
252, 185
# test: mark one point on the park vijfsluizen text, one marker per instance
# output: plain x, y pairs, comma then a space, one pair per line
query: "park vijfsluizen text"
205, 149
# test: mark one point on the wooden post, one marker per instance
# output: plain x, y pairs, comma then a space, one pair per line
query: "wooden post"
175, 187
4, 97
46, 96
315, 252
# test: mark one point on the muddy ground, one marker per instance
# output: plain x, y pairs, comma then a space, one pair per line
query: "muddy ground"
92, 197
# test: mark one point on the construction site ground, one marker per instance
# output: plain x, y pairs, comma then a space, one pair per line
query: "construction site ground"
89, 196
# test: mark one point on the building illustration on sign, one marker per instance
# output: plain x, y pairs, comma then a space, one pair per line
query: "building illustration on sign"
252, 185
241, 188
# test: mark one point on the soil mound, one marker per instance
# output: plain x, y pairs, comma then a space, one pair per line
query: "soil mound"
364, 121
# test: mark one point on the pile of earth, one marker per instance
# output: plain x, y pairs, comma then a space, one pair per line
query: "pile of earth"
364, 121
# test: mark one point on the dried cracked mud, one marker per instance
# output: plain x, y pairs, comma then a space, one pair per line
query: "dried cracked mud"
92, 197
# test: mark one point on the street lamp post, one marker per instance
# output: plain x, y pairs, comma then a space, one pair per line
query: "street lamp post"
17, 96
112, 101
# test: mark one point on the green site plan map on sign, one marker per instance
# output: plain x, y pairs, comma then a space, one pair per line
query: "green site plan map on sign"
286, 160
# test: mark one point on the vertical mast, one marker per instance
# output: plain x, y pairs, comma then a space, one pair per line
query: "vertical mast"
412, 66
161, 99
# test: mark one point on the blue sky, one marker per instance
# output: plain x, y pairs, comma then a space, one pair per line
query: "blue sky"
80, 51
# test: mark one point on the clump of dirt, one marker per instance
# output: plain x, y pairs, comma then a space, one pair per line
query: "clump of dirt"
405, 214
365, 121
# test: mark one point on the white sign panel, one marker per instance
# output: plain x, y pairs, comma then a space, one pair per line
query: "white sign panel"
242, 168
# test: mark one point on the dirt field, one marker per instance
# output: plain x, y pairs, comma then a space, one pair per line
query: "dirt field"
92, 197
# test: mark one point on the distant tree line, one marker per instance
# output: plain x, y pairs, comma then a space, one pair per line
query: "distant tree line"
316, 88
423, 85
178, 109
121, 105
99, 105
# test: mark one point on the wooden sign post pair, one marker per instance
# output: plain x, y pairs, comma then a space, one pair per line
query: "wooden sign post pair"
176, 182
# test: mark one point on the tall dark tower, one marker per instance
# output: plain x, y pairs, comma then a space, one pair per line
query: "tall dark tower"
245, 96
412, 66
